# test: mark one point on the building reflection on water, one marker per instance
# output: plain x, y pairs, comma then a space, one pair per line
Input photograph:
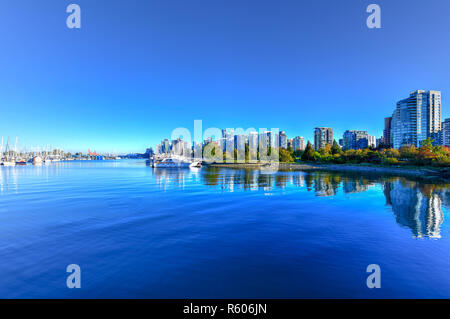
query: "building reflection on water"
416, 204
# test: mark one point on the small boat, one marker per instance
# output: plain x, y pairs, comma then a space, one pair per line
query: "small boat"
196, 164
9, 163
8, 160
37, 160
21, 162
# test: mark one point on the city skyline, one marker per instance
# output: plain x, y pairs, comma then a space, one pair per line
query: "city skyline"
116, 85
413, 120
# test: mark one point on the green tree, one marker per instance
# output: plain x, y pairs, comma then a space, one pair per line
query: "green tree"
285, 156
336, 149
325, 151
247, 153
308, 154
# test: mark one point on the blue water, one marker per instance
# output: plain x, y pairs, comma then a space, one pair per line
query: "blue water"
137, 232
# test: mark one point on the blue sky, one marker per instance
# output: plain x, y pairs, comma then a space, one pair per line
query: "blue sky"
136, 70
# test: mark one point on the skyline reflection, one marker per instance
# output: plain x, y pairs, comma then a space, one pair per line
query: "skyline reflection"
416, 204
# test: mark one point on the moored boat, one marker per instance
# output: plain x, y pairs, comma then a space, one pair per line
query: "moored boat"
9, 163
21, 162
37, 160
174, 162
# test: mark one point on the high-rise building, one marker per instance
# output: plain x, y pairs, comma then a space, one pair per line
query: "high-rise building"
387, 132
240, 141
229, 140
272, 139
290, 142
253, 141
164, 147
354, 140
322, 137
221, 142
416, 118
263, 141
380, 141
446, 132
282, 140
298, 143
372, 141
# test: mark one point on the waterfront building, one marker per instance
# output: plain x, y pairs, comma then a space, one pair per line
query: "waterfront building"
416, 118
283, 140
322, 137
446, 132
298, 144
253, 141
222, 142
240, 141
372, 141
272, 139
164, 147
263, 141
290, 142
387, 132
354, 140
229, 140
177, 147
198, 150
380, 141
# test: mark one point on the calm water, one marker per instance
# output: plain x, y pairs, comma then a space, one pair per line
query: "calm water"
139, 232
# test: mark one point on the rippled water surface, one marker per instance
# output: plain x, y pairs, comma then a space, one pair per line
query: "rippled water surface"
219, 233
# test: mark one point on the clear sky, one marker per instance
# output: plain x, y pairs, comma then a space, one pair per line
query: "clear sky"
138, 69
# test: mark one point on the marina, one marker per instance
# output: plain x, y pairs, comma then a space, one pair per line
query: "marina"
12, 156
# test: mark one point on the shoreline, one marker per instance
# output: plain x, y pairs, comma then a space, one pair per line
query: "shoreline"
424, 172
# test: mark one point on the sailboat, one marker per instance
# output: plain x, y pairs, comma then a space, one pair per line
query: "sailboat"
19, 161
8, 160
46, 159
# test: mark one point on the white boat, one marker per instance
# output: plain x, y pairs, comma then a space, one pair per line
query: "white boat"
172, 162
9, 163
196, 164
8, 159
175, 162
37, 160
